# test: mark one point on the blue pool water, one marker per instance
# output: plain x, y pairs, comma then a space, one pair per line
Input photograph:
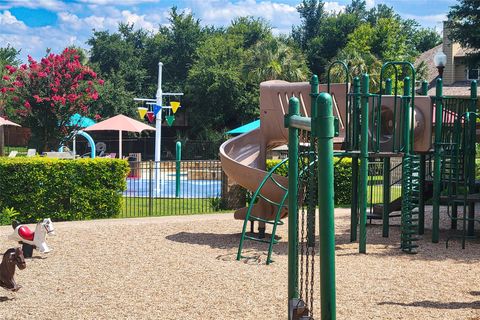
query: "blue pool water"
188, 188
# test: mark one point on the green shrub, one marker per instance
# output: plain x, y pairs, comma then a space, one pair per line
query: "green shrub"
7, 215
62, 189
342, 178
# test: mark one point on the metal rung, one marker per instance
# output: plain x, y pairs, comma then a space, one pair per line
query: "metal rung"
260, 240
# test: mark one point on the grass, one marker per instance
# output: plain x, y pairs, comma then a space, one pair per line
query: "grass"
375, 193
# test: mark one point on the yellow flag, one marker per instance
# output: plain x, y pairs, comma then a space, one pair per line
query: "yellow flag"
175, 105
142, 112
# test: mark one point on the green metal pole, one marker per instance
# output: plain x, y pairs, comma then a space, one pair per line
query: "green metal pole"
388, 87
356, 124
293, 141
178, 159
386, 196
421, 199
471, 154
364, 164
436, 161
312, 205
424, 90
325, 132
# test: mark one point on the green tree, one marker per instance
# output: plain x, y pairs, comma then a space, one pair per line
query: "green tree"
311, 14
216, 93
273, 59
252, 30
9, 56
426, 39
464, 23
46, 93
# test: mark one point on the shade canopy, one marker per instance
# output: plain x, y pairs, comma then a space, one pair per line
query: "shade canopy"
5, 122
245, 128
120, 123
80, 121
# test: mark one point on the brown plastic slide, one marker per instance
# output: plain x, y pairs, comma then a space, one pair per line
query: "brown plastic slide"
243, 157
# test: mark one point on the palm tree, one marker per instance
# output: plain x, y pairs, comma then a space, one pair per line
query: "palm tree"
273, 59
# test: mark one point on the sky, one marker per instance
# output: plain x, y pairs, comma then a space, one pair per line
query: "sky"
35, 25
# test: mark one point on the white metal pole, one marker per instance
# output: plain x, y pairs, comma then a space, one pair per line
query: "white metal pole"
120, 144
158, 130
75, 146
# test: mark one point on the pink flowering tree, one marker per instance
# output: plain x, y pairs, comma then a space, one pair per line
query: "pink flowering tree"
46, 94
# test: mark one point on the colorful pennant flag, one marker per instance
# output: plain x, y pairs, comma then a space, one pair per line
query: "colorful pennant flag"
150, 116
175, 105
142, 111
170, 119
156, 108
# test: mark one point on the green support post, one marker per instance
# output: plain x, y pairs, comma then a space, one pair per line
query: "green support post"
421, 199
293, 141
325, 133
437, 161
364, 164
388, 87
178, 159
386, 196
471, 155
311, 158
424, 89
354, 206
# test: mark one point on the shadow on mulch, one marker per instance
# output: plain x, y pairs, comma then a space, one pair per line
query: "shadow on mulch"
436, 305
226, 241
3, 299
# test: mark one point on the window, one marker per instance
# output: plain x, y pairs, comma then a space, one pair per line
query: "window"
472, 74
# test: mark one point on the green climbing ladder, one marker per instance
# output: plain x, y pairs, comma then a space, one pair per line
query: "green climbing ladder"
280, 206
410, 202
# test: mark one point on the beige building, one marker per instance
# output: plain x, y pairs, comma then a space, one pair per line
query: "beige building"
456, 75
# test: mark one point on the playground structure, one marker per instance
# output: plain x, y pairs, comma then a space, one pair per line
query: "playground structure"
431, 138
33, 239
73, 136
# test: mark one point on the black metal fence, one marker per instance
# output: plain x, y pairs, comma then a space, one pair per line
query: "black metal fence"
173, 188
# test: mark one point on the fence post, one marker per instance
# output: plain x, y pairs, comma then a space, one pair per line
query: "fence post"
387, 175
364, 164
325, 133
293, 141
388, 87
470, 148
424, 90
150, 187
437, 160
178, 159
356, 124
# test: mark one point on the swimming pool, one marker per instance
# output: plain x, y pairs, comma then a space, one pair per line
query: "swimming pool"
188, 188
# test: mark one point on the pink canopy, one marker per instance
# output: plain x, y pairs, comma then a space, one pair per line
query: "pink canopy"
120, 123
5, 122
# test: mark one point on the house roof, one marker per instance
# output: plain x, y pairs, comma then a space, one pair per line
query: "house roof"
427, 57
459, 89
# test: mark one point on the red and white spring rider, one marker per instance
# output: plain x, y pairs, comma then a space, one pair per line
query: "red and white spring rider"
24, 235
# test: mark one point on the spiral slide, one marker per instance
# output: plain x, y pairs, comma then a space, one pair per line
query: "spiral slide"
243, 157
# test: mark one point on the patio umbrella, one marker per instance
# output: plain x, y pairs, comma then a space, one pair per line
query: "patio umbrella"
120, 123
5, 122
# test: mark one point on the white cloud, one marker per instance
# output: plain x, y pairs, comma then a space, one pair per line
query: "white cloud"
370, 4
10, 24
54, 5
333, 7
115, 2
430, 21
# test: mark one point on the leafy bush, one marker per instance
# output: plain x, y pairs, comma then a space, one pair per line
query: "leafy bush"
7, 215
62, 189
342, 178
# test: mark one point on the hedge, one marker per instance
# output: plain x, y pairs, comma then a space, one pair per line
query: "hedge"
342, 178
62, 189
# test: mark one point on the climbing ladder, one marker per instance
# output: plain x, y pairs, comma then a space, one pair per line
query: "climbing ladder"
410, 202
280, 206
